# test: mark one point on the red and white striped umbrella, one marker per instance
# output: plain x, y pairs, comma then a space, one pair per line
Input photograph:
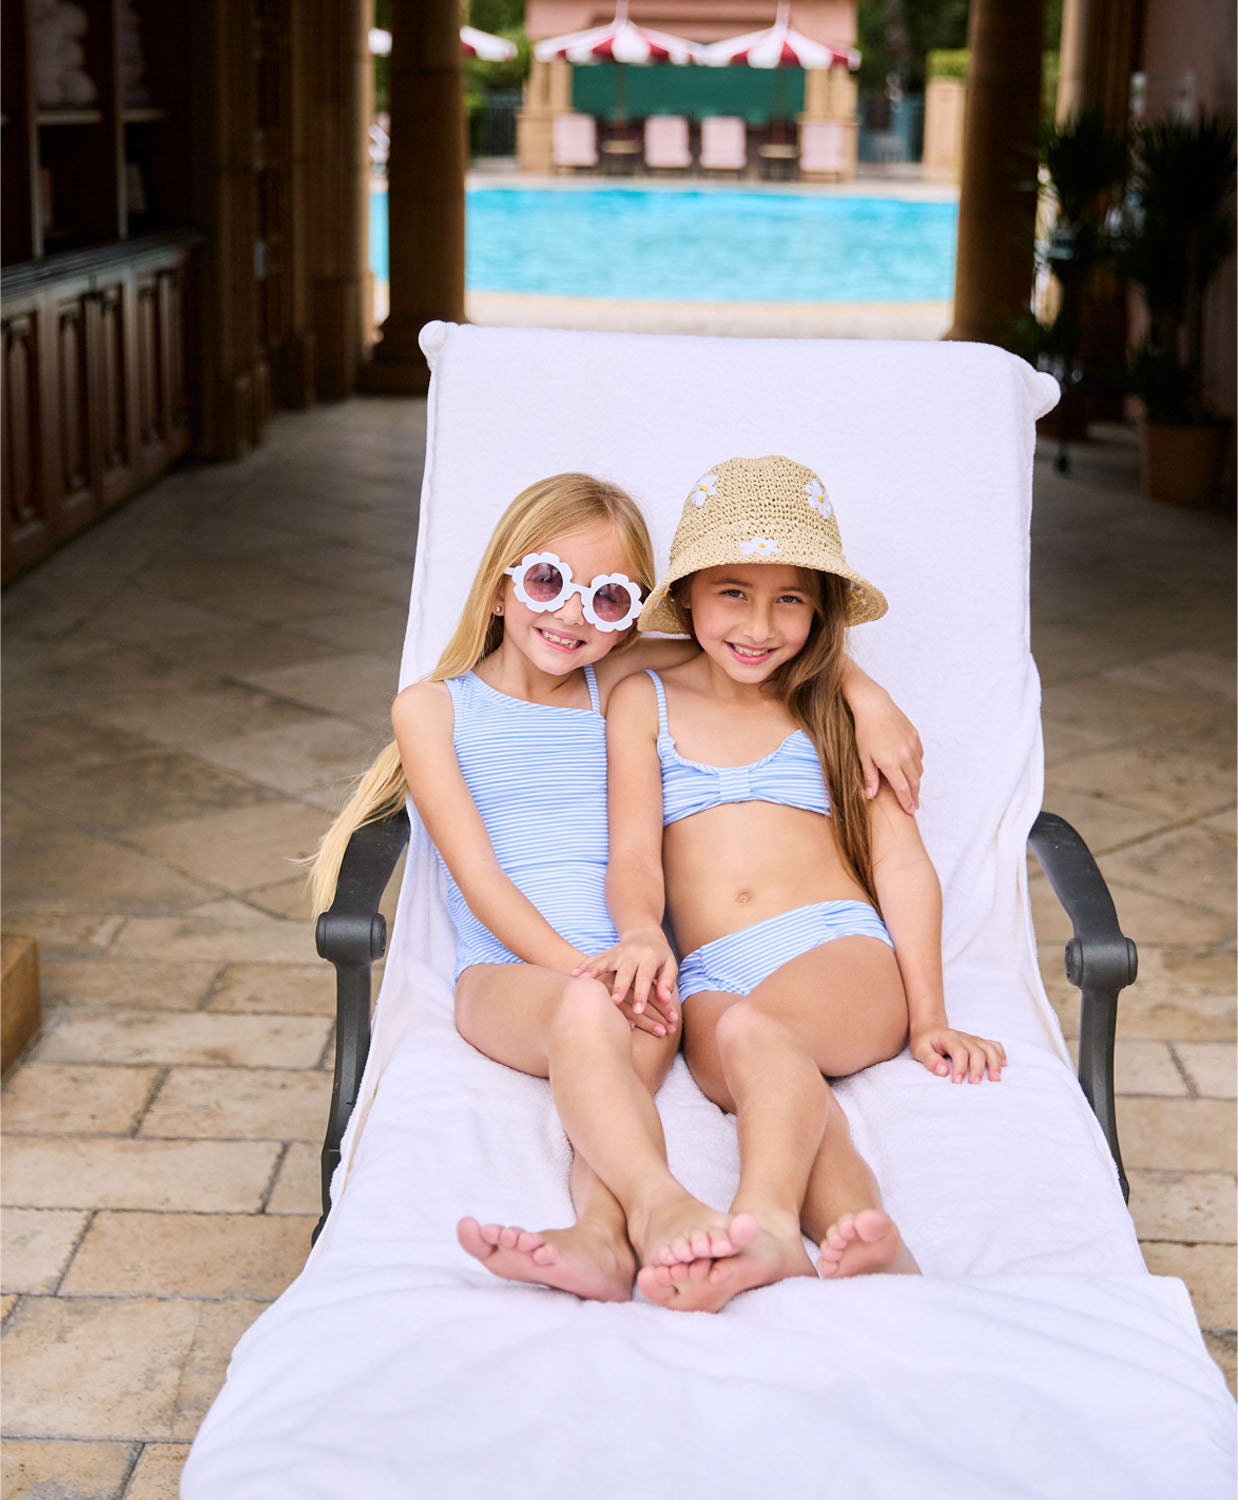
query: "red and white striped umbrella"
619, 41
778, 46
473, 43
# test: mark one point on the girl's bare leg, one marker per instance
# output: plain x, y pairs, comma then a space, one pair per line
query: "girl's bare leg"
593, 1258
835, 1009
569, 1030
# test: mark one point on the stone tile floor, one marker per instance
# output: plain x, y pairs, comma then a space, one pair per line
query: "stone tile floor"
185, 689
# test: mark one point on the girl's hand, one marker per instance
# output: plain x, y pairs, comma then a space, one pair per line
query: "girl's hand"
642, 969
889, 746
956, 1054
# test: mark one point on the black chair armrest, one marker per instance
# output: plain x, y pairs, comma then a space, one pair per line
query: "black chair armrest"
352, 934
1100, 962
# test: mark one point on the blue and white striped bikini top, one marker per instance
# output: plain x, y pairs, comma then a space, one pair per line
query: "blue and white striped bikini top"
537, 773
790, 776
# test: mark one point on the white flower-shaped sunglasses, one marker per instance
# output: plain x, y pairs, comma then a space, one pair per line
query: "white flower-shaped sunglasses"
544, 582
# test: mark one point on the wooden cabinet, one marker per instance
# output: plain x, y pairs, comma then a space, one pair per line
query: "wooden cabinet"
94, 388
97, 187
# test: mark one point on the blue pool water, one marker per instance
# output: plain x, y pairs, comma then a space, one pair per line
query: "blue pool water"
714, 245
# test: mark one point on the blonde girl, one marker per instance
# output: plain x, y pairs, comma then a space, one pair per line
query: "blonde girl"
809, 915
503, 751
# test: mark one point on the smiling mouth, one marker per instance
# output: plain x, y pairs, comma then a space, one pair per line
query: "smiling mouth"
559, 642
747, 654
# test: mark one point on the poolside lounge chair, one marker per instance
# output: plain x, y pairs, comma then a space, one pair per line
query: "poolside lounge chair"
823, 145
724, 143
1036, 1357
574, 141
666, 143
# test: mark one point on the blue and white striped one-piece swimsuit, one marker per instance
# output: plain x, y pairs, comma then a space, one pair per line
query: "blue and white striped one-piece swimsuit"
790, 776
537, 774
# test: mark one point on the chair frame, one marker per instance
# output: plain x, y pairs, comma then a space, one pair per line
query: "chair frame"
352, 935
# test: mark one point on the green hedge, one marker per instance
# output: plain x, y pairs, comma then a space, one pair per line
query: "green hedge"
953, 64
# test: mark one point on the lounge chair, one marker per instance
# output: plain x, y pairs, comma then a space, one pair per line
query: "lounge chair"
724, 144
1036, 1357
666, 143
575, 141
823, 148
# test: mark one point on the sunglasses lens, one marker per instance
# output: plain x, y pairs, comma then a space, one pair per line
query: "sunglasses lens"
612, 602
543, 583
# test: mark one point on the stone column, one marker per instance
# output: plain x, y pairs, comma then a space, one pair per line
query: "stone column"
997, 195
547, 93
425, 190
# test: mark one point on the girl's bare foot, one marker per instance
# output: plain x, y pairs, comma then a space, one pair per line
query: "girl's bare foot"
705, 1287
585, 1262
674, 1228
858, 1244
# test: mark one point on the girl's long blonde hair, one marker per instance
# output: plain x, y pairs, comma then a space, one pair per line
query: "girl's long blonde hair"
554, 507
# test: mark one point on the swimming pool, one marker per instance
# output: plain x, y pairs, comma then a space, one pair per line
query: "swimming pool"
700, 245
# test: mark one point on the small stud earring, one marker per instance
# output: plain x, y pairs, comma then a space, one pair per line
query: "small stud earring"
498, 609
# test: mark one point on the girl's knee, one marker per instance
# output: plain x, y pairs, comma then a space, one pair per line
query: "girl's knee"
744, 1026
585, 1002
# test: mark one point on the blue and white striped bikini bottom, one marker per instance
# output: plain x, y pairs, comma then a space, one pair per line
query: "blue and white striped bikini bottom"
737, 963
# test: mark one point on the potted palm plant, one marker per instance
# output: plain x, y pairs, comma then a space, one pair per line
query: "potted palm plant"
1085, 164
1178, 233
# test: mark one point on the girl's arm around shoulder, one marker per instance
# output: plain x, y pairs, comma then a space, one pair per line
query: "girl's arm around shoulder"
885, 738
642, 960
910, 897
658, 652
423, 717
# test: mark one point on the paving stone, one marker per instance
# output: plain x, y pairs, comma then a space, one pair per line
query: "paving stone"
1187, 859
75, 1099
220, 1325
319, 758
380, 629
35, 1470
127, 794
1208, 1271
1102, 823
94, 1368
1068, 741
1150, 920
37, 1244
193, 1037
1158, 778
1212, 1067
157, 1476
239, 1103
296, 989
226, 931
1141, 1067
1223, 1347
298, 1188
153, 985
238, 647
8, 1301
359, 687
239, 849
74, 871
183, 721
172, 1176
71, 935
68, 740
1220, 822
189, 1255
1183, 1206
118, 1367
1185, 993
1186, 1134
287, 898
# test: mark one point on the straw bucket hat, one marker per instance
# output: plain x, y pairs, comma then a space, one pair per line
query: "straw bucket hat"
757, 510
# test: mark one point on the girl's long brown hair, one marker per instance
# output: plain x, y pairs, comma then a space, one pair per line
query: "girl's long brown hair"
553, 507
810, 685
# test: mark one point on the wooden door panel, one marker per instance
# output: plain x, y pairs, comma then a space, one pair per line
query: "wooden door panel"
27, 534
